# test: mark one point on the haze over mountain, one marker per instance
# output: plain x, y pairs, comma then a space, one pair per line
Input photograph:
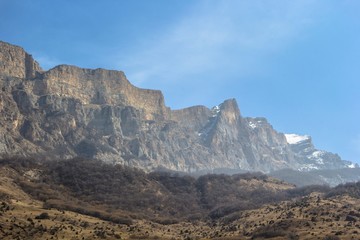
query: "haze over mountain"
69, 111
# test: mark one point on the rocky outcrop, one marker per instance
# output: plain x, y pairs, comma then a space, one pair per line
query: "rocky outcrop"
312, 158
192, 118
97, 113
15, 62
100, 87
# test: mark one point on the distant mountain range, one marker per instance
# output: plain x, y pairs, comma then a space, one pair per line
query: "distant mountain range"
69, 111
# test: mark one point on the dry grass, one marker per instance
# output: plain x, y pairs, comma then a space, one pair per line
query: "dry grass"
306, 218
310, 217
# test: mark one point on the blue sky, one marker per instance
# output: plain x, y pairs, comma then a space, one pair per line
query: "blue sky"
294, 62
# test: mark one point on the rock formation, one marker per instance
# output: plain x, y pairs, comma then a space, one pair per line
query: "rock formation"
312, 158
97, 113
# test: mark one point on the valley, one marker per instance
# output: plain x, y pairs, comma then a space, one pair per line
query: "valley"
245, 206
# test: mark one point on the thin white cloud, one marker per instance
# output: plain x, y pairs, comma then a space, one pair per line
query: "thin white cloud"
45, 61
219, 35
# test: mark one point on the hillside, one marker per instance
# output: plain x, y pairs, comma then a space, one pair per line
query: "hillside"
70, 199
158, 196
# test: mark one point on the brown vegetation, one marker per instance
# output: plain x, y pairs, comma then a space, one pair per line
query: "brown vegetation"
134, 205
113, 192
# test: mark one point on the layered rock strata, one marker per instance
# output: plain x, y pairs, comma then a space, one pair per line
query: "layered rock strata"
96, 113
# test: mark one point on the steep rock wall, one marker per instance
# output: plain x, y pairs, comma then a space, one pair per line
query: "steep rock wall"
96, 113
15, 62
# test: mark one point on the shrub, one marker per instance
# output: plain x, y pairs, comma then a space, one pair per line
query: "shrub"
331, 237
43, 215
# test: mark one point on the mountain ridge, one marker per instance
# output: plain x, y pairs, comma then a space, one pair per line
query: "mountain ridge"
69, 111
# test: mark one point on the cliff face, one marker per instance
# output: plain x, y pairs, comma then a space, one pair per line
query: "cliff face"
15, 62
96, 113
100, 87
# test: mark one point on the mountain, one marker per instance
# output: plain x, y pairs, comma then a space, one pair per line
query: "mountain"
69, 111
312, 158
83, 155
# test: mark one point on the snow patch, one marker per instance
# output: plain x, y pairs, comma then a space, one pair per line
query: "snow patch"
252, 125
295, 139
319, 161
352, 165
318, 154
216, 108
215, 111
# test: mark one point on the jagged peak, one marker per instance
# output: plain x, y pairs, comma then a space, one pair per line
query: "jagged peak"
201, 114
202, 138
229, 104
229, 111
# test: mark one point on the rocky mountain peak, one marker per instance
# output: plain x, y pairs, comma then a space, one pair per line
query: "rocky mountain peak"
97, 113
230, 105
223, 126
297, 139
229, 111
312, 158
15, 62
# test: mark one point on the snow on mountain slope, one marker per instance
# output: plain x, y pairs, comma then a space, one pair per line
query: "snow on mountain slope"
295, 139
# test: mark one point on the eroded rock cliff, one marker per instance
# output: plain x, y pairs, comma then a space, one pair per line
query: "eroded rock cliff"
15, 62
97, 113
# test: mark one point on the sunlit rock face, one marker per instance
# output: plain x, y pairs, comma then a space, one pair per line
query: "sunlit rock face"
15, 62
96, 113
